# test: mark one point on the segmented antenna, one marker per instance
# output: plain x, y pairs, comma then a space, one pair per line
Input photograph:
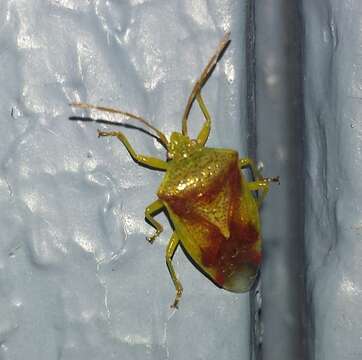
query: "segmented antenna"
160, 136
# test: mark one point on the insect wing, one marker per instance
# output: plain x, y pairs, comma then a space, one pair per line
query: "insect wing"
216, 217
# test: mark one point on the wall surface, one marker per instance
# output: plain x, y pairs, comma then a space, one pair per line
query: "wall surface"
333, 94
280, 121
77, 278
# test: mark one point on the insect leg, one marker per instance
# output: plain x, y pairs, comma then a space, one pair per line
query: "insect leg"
260, 185
243, 163
141, 159
205, 130
151, 209
170, 251
195, 93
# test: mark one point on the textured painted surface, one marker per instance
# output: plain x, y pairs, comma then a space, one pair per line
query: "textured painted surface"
333, 94
280, 118
77, 278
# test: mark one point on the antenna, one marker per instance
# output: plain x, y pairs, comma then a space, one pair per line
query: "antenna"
161, 137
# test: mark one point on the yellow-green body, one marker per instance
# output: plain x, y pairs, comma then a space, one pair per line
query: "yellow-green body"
203, 194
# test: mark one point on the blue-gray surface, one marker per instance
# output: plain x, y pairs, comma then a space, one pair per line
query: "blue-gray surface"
77, 278
280, 118
333, 100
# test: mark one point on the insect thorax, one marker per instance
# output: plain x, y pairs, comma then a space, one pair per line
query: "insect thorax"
196, 173
181, 146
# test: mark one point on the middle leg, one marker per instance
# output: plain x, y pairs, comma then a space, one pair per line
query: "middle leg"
247, 162
259, 183
152, 209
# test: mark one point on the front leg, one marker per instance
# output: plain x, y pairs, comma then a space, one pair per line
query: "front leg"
149, 161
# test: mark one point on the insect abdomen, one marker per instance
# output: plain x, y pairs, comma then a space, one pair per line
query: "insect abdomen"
218, 235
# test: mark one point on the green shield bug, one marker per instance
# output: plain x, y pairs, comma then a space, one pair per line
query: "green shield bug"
211, 205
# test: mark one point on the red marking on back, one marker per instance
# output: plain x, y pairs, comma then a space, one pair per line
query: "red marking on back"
229, 255
225, 255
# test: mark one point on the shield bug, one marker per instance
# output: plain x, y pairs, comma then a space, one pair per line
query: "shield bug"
213, 208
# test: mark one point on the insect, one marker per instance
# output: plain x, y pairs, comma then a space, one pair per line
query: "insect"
213, 209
